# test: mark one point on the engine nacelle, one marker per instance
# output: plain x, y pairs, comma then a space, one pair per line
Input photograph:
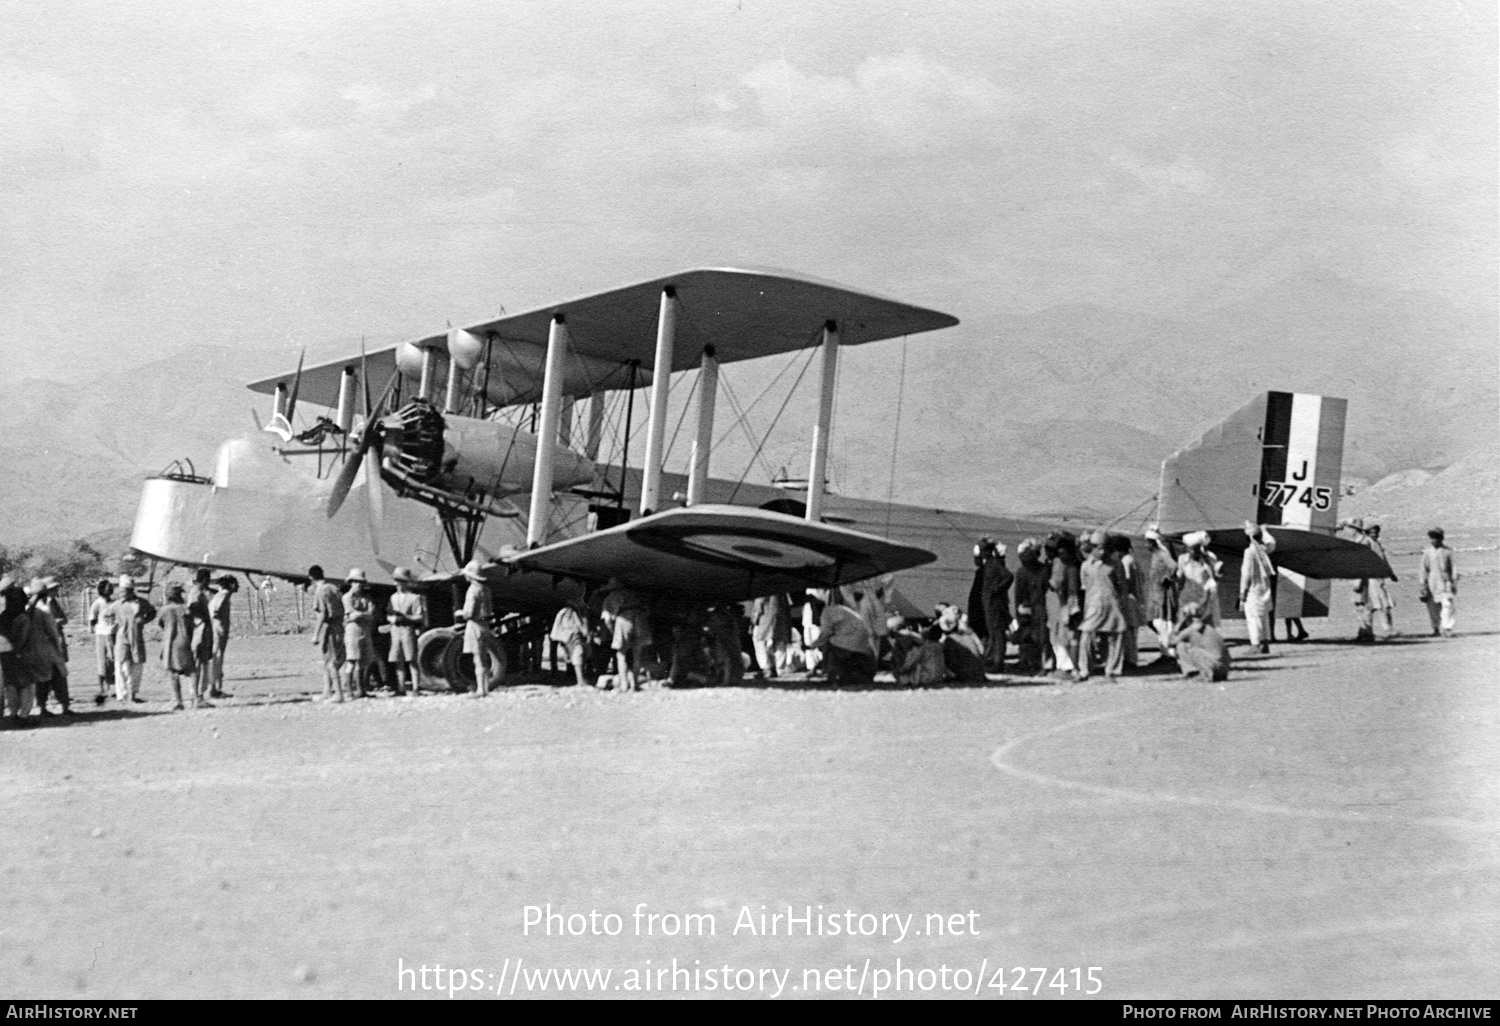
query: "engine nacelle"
476, 455
501, 459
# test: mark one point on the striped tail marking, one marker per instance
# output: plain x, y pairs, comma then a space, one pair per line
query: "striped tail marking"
1298, 596
1301, 461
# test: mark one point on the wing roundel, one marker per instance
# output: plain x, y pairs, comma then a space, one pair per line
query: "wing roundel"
723, 553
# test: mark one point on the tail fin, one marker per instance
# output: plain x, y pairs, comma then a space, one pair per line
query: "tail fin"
1276, 460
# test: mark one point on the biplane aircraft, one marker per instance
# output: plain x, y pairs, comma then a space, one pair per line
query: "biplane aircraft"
483, 443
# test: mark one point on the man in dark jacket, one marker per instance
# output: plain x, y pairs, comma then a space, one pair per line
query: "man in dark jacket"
1031, 608
15, 631
45, 657
994, 594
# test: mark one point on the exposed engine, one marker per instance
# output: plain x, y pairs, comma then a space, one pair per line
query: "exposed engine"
445, 459
414, 439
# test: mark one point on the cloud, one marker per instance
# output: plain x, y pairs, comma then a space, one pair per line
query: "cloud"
43, 131
905, 102
373, 99
275, 167
1421, 164
1167, 176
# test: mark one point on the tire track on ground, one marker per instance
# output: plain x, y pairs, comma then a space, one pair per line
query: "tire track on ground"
1000, 758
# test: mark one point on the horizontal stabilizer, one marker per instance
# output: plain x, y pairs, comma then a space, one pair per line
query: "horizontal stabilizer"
1310, 554
721, 553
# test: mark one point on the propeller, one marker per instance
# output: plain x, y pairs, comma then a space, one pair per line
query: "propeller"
371, 436
375, 506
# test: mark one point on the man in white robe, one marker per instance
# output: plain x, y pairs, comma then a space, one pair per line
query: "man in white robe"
1257, 575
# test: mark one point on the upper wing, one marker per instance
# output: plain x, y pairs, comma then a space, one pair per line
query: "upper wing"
742, 313
722, 553
1311, 554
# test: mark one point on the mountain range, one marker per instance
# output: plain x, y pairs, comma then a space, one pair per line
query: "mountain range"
1068, 411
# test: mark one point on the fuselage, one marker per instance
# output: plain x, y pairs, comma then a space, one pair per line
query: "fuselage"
265, 513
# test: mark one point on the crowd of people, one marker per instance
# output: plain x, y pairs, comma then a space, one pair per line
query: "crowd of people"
34, 654
345, 624
1080, 602
1072, 606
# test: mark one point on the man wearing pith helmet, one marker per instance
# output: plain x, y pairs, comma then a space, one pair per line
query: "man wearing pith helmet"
479, 640
359, 625
407, 614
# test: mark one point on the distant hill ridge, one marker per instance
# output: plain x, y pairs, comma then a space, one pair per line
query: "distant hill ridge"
1071, 408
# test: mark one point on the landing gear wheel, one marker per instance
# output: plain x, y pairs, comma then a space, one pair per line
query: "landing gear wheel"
432, 658
458, 665
442, 664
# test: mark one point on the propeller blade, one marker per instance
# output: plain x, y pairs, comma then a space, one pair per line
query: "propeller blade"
256, 417
291, 403
375, 507
389, 385
346, 477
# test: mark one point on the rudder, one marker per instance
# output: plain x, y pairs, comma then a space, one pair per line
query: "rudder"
1276, 460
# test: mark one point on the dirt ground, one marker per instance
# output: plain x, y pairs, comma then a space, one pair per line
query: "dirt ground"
1324, 824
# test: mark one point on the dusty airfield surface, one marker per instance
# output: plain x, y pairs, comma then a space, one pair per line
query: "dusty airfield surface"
1324, 824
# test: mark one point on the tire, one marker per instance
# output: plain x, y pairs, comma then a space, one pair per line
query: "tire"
432, 662
457, 667
443, 665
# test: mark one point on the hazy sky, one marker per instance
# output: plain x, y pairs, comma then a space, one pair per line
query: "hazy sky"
263, 174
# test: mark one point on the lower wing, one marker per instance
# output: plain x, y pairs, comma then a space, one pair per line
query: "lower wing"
722, 553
